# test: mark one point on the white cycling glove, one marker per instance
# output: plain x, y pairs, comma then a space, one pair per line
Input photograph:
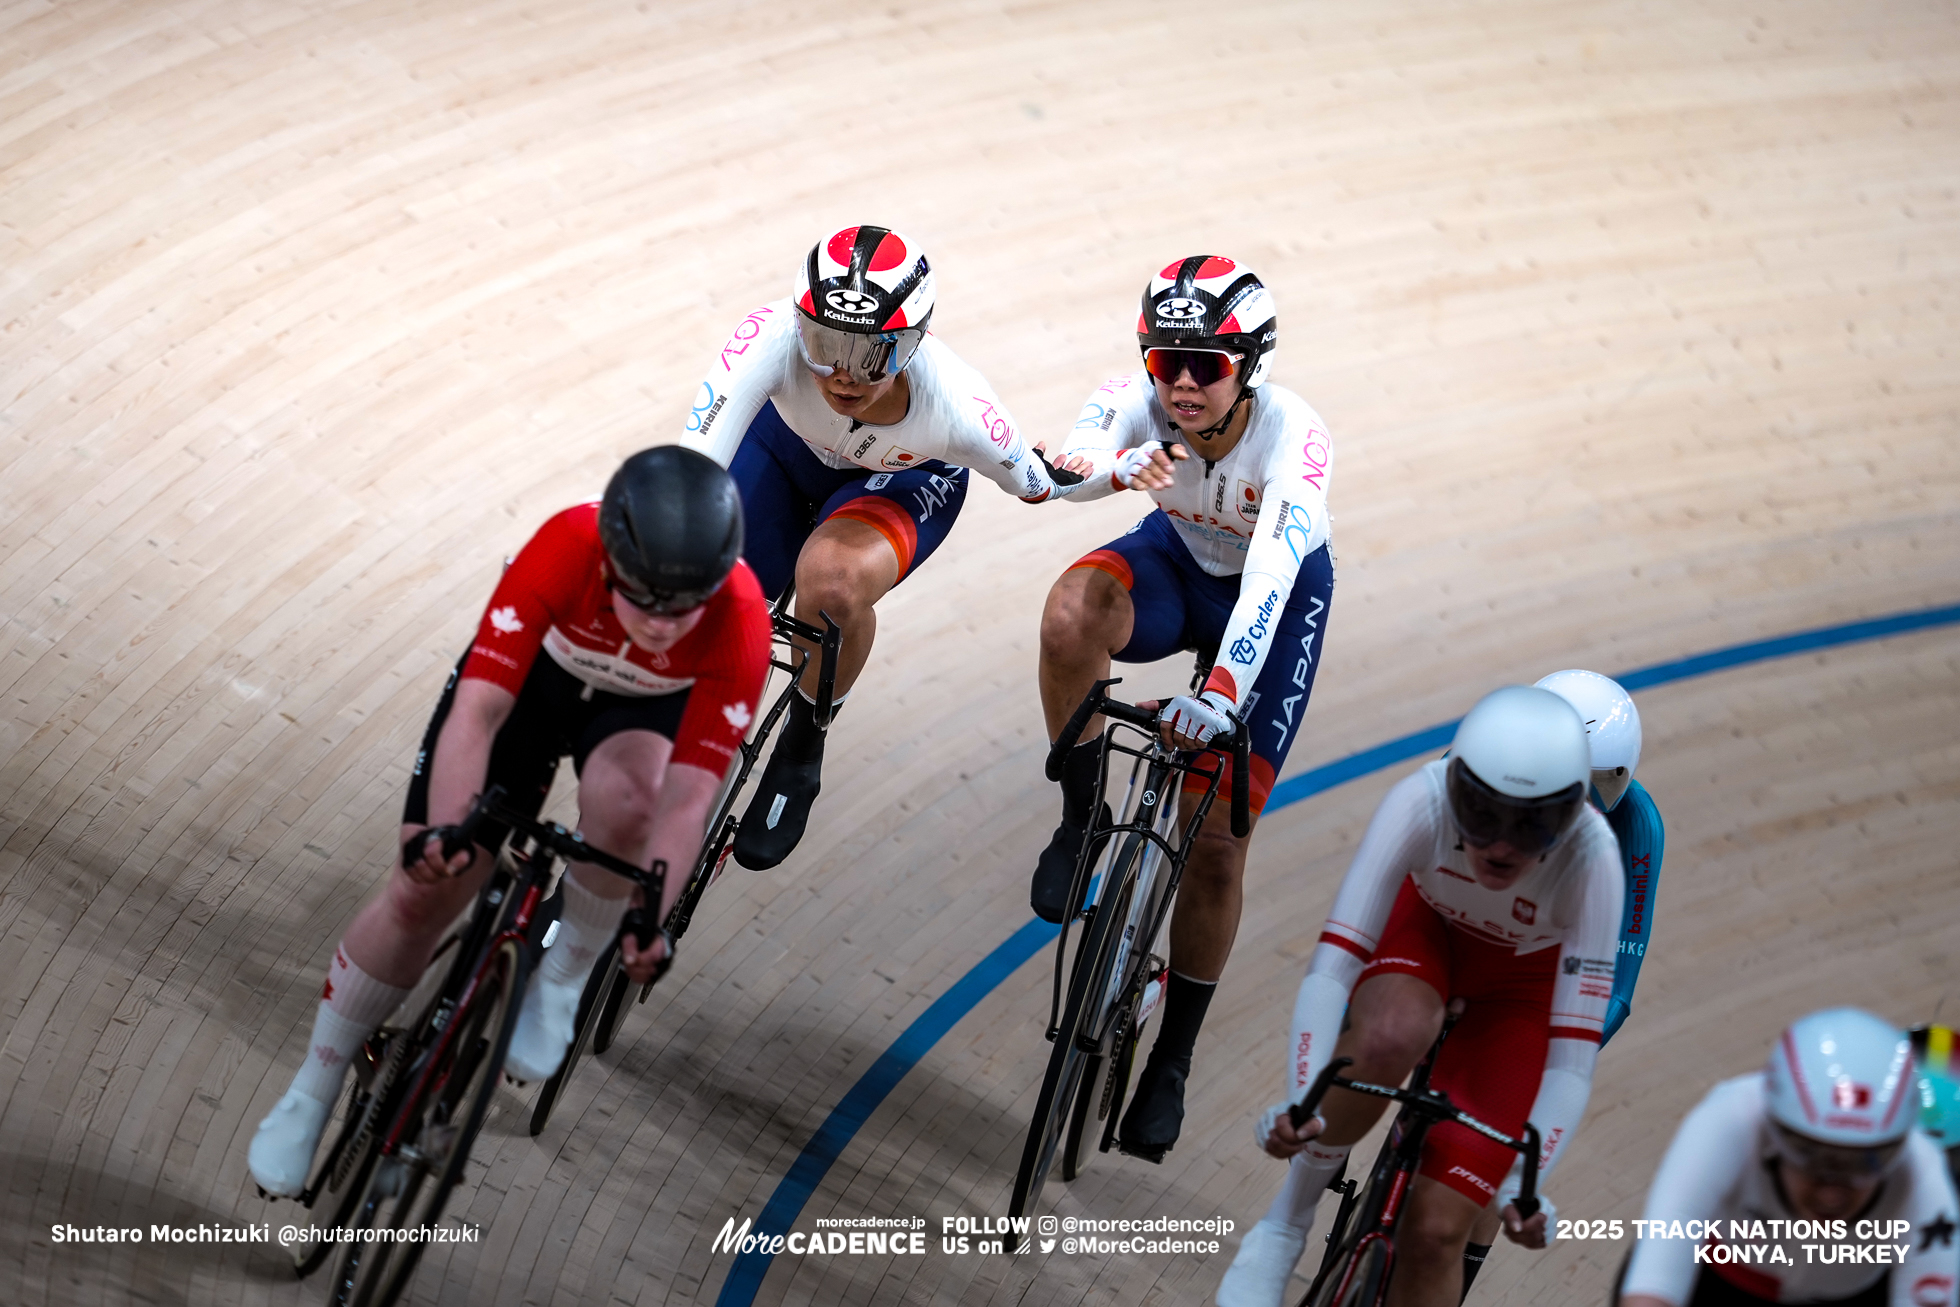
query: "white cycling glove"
1200, 718
1262, 1129
1507, 1193
1132, 461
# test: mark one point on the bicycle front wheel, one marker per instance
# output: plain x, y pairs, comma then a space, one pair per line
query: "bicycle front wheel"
589, 1030
406, 1190
1085, 1012
1362, 1281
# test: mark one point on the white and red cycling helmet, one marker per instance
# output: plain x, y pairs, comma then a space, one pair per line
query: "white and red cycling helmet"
864, 298
1209, 304
1842, 1093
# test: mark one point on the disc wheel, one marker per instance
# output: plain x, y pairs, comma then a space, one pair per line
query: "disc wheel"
1095, 961
591, 1002
1075, 1150
408, 1188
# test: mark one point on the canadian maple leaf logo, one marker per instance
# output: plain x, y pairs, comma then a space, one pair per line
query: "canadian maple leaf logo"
506, 619
738, 715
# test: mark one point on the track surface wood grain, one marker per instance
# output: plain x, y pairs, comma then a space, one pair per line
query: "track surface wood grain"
1633, 326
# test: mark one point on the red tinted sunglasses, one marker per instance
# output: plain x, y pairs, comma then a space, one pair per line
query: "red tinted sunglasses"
1206, 366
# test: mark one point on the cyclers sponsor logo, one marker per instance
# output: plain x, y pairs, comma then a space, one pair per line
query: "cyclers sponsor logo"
1474, 1179
1243, 649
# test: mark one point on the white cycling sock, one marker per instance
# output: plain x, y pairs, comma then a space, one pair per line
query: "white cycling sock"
352, 1006
1306, 1180
586, 926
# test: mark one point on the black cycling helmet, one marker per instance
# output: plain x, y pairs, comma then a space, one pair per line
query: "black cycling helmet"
671, 524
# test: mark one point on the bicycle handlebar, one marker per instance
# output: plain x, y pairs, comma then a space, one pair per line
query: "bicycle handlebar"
491, 805
1434, 1104
1146, 719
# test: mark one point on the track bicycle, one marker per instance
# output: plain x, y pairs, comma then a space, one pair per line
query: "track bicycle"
421, 1091
1124, 881
1360, 1257
603, 1004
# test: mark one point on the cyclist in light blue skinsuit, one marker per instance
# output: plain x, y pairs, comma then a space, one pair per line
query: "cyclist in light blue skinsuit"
1613, 731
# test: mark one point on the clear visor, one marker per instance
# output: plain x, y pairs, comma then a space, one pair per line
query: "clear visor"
1612, 783
861, 357
1834, 1163
1485, 817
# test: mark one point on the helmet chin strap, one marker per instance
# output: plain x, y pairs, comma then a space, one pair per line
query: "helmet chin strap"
1226, 421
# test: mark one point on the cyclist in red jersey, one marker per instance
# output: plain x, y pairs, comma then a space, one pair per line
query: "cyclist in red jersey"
656, 643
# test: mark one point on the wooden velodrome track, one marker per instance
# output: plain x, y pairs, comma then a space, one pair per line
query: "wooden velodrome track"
1633, 324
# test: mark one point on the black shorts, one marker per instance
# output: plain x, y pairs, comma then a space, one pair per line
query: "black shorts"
555, 714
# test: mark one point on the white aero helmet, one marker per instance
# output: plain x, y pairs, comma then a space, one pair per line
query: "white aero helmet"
1612, 728
1842, 1093
1518, 769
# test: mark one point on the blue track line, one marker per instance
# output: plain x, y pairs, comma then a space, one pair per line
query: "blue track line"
932, 1025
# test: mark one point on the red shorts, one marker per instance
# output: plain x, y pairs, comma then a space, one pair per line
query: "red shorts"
1494, 1058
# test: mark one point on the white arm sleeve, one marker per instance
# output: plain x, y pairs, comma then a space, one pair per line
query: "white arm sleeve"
1933, 1263
1708, 1156
1401, 832
748, 369
1292, 524
984, 437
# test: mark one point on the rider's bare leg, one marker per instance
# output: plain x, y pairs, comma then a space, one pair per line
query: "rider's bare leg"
1392, 1021
1429, 1246
1204, 923
845, 568
1087, 618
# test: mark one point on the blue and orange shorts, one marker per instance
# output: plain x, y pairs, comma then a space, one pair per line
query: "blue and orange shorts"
787, 491
1179, 606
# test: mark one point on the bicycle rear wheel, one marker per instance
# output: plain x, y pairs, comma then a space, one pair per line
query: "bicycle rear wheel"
407, 1190
1095, 959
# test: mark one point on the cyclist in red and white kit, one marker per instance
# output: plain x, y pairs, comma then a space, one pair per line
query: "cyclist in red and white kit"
1483, 877
850, 430
655, 643
1817, 1155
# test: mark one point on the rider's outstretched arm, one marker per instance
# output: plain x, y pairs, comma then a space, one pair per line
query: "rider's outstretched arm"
1637, 823
1397, 838
1714, 1144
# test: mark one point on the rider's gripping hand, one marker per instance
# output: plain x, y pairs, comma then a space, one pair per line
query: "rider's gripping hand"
1276, 1134
644, 965
1148, 466
1191, 723
1539, 1231
429, 867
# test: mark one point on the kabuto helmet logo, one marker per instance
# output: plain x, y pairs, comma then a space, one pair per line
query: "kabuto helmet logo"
853, 302
866, 279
